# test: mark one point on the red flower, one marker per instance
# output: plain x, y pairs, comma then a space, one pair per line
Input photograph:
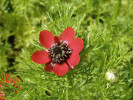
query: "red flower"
7, 79
61, 54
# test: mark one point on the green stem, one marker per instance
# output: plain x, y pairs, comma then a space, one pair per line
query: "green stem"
117, 7
66, 88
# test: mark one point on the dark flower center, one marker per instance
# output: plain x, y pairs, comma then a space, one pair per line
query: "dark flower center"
59, 53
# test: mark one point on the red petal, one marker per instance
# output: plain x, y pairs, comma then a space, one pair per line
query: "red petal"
68, 35
74, 59
60, 69
77, 45
20, 87
6, 77
40, 57
48, 67
1, 95
46, 38
57, 39
16, 80
16, 91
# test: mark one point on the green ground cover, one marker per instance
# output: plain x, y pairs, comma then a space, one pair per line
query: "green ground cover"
106, 26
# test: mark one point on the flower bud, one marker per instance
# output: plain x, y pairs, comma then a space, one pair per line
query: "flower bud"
111, 76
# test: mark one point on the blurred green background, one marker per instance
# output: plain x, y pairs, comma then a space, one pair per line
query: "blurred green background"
22, 20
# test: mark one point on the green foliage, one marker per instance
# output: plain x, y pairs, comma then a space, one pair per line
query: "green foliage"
104, 25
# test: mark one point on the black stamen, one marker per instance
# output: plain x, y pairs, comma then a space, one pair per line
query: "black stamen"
59, 53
